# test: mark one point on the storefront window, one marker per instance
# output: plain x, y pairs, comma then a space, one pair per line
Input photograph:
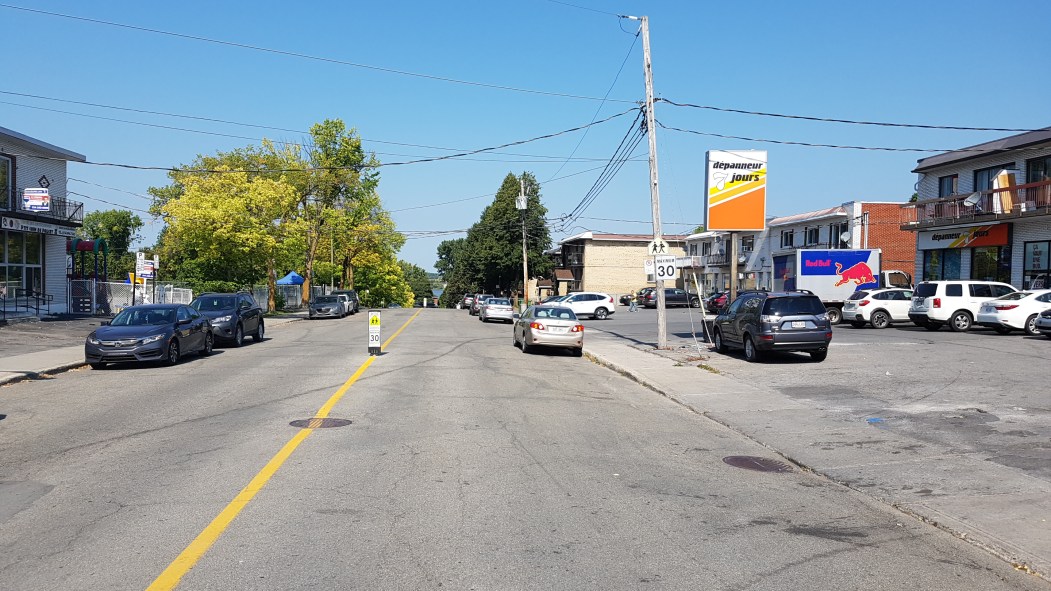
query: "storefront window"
941, 264
32, 247
14, 247
5, 182
991, 263
1036, 266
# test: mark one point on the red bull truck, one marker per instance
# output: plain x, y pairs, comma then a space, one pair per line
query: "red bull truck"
833, 275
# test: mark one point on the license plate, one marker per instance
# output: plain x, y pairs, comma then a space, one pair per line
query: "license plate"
559, 329
798, 324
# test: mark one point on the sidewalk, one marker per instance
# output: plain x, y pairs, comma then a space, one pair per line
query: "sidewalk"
1001, 510
56, 346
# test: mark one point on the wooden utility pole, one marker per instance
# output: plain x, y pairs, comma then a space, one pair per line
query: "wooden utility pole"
655, 196
520, 203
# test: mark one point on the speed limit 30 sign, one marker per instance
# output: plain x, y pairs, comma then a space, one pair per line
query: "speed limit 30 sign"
664, 268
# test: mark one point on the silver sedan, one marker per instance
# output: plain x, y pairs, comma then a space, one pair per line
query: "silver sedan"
496, 309
549, 326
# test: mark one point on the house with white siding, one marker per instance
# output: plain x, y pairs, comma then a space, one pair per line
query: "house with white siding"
34, 229
984, 212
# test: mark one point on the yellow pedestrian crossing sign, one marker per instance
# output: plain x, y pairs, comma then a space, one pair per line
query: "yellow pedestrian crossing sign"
374, 319
374, 332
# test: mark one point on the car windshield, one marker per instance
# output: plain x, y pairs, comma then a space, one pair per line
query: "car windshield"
859, 295
206, 303
559, 313
926, 290
144, 317
499, 302
794, 306
326, 300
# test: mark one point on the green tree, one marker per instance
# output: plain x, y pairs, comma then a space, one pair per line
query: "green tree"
119, 228
418, 281
382, 284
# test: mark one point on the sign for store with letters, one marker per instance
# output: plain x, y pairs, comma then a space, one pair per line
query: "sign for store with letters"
735, 190
36, 200
964, 237
36, 227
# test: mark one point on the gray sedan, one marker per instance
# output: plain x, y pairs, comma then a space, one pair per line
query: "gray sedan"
549, 326
496, 309
329, 306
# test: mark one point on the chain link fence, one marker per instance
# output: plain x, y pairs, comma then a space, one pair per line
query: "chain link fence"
89, 297
289, 297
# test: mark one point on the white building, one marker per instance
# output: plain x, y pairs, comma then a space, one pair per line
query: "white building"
708, 257
34, 231
984, 212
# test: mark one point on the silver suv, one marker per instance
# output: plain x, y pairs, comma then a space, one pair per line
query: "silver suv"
774, 321
954, 302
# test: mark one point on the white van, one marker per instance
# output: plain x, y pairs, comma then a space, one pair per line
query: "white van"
953, 302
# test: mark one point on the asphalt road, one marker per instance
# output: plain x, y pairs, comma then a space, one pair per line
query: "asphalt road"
467, 465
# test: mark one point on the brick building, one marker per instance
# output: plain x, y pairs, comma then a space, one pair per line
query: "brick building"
610, 263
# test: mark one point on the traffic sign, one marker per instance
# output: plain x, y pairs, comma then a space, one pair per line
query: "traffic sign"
665, 268
658, 247
374, 332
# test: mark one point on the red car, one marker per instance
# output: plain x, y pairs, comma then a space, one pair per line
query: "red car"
716, 302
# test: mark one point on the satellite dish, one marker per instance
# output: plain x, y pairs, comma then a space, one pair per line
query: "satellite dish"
972, 199
742, 259
844, 237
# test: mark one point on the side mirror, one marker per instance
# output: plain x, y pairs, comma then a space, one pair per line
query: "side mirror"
183, 321
104, 323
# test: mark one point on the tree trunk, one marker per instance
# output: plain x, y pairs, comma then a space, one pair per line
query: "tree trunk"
313, 240
271, 286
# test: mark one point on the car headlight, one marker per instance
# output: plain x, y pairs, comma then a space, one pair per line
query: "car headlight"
93, 340
152, 339
222, 318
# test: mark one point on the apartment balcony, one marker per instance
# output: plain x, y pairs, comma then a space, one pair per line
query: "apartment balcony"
1017, 202
694, 262
716, 260
63, 211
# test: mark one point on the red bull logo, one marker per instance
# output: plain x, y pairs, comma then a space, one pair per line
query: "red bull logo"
860, 274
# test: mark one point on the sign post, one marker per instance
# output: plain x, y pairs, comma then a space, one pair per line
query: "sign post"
374, 332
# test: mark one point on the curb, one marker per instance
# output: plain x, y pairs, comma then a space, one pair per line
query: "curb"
990, 547
38, 375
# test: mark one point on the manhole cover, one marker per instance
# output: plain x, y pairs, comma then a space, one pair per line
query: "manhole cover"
758, 464
316, 423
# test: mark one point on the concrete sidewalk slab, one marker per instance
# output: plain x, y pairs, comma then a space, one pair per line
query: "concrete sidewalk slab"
993, 506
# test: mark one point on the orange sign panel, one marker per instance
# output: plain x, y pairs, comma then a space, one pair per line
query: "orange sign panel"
735, 191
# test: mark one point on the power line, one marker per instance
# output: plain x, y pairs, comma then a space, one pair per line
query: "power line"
849, 121
108, 202
309, 57
140, 196
584, 8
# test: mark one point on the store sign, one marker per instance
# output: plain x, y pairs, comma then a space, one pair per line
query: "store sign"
36, 200
735, 190
964, 237
36, 227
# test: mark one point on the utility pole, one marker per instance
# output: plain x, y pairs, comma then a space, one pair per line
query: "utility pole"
520, 203
655, 196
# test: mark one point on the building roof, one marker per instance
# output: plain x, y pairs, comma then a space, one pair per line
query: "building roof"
645, 238
1013, 142
563, 275
809, 216
41, 147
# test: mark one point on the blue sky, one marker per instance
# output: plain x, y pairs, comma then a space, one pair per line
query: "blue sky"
938, 62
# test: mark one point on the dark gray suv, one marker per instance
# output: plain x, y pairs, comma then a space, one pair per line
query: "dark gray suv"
774, 321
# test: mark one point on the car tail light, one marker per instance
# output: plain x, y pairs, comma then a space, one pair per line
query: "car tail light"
766, 337
577, 328
611, 299
1004, 307
937, 302
828, 335
863, 303
536, 326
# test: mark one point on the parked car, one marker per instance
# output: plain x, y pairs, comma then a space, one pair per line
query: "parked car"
774, 321
553, 298
673, 297
352, 295
344, 301
1043, 323
716, 301
589, 303
639, 296
496, 309
478, 299
548, 326
151, 332
468, 299
232, 315
325, 306
954, 302
880, 307
1015, 311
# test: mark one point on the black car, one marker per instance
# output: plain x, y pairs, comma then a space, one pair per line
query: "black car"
762, 321
672, 297
233, 315
152, 332
352, 295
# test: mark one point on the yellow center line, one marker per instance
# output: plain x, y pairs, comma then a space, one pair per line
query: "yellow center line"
186, 560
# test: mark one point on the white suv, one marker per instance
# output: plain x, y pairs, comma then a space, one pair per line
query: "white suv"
953, 302
880, 307
590, 303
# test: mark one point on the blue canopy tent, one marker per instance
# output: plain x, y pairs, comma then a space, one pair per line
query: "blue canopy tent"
292, 278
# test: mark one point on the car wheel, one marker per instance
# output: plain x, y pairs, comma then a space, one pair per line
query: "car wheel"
259, 332
97, 365
601, 313
239, 336
695, 303
514, 339
720, 346
960, 321
835, 315
818, 356
932, 326
857, 324
1030, 326
750, 352
578, 352
209, 342
173, 352
525, 347
1002, 329
880, 319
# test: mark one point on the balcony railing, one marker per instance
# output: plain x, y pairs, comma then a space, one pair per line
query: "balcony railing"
1031, 199
62, 209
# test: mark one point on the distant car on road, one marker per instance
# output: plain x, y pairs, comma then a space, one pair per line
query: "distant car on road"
774, 321
478, 299
1015, 311
548, 326
1043, 323
152, 332
673, 297
496, 309
590, 303
233, 315
879, 307
325, 306
716, 301
352, 295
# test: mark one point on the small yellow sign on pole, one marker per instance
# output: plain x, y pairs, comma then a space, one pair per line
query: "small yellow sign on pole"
374, 332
